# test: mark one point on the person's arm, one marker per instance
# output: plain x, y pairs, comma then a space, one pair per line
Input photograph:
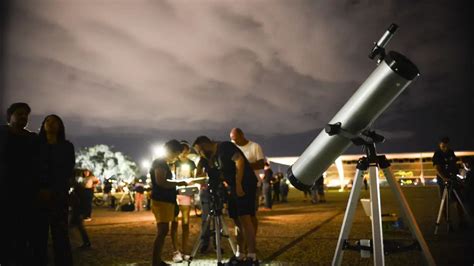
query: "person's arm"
239, 173
72, 162
200, 169
440, 172
260, 163
193, 169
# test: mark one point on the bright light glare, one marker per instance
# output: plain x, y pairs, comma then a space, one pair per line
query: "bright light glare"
146, 164
159, 151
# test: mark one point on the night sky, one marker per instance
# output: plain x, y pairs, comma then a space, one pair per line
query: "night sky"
134, 73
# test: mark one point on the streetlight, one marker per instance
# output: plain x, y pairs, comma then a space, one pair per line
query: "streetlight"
146, 164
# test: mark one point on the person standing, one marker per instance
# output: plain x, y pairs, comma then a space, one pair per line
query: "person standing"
163, 196
77, 218
267, 186
320, 189
254, 154
19, 172
317, 191
276, 186
285, 189
90, 181
445, 163
57, 162
184, 168
236, 170
139, 189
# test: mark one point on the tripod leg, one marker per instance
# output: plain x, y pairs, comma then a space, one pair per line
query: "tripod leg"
348, 217
408, 214
225, 231
466, 213
120, 202
376, 213
440, 213
448, 221
217, 229
200, 240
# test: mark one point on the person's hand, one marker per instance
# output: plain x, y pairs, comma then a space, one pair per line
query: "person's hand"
240, 191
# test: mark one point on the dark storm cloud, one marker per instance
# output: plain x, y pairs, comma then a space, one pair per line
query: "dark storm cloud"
275, 68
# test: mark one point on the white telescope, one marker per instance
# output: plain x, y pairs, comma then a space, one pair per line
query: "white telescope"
389, 79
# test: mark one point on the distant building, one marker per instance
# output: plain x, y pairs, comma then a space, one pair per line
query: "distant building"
409, 168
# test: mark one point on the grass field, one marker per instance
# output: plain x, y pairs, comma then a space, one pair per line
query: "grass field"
295, 233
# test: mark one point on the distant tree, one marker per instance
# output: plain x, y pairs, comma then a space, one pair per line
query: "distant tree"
106, 163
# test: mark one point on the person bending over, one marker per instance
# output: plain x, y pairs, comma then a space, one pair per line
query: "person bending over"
232, 165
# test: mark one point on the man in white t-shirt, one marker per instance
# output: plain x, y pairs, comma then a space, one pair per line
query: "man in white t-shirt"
252, 150
254, 154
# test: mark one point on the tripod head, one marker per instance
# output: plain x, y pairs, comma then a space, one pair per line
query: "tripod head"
217, 192
368, 138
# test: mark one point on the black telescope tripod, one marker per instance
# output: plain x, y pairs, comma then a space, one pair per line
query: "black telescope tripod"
448, 192
215, 224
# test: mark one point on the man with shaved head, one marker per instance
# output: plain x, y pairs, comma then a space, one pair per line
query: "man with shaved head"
254, 154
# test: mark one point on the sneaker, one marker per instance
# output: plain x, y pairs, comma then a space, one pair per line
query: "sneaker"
177, 257
234, 261
186, 257
87, 219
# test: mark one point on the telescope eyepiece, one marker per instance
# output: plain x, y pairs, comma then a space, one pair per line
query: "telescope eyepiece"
379, 46
392, 28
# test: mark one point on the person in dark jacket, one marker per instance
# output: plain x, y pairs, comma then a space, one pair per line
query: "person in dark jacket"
57, 162
267, 187
18, 164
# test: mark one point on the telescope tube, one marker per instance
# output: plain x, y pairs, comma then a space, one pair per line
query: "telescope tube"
394, 73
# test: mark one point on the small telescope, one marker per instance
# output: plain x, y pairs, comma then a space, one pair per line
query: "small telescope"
392, 76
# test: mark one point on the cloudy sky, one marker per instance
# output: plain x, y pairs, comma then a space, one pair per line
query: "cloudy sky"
133, 73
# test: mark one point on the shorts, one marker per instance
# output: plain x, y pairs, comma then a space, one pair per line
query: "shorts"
185, 210
183, 200
163, 211
240, 206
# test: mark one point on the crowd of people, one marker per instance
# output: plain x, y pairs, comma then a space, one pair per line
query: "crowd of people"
43, 165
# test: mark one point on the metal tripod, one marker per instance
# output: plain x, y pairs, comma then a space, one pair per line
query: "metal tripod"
217, 226
124, 194
373, 163
447, 192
